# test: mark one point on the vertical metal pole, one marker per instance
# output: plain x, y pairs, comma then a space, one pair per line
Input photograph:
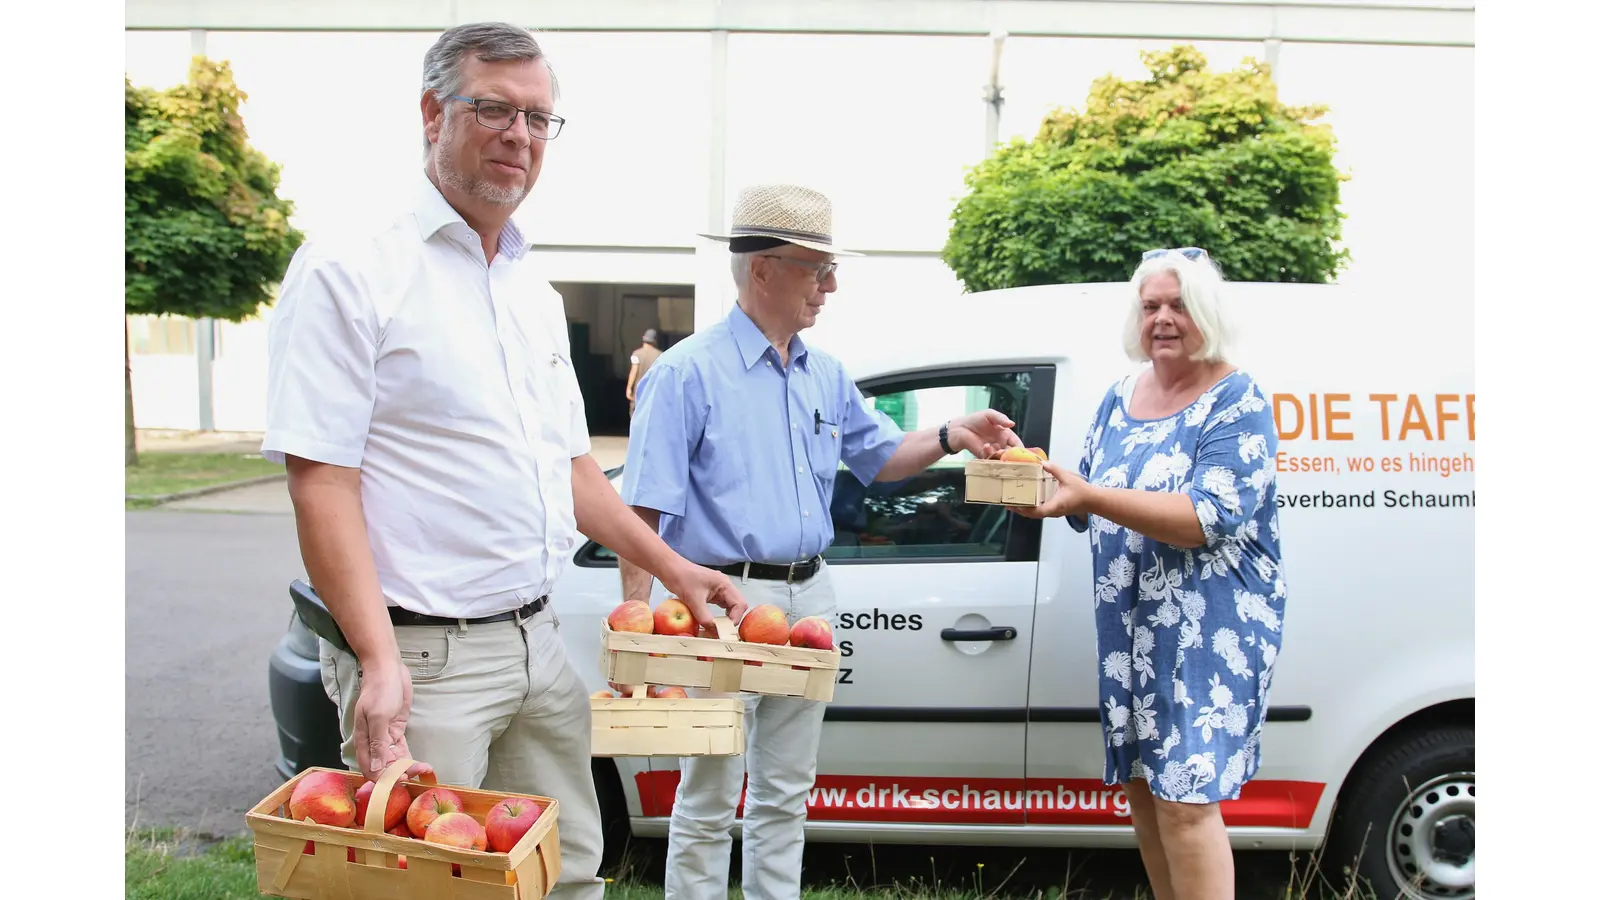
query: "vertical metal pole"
204, 329
705, 313
1273, 46
993, 96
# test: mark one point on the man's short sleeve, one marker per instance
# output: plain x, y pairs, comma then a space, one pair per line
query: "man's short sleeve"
322, 351
870, 437
664, 427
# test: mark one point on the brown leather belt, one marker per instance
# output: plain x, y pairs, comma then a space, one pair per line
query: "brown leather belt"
792, 573
406, 617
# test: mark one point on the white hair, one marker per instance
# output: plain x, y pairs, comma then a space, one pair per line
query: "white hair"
740, 264
1200, 286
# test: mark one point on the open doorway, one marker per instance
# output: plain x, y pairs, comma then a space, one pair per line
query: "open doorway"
605, 323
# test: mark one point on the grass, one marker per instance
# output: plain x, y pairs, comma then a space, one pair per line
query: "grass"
172, 864
167, 473
165, 864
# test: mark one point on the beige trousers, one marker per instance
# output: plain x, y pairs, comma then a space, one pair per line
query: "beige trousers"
496, 707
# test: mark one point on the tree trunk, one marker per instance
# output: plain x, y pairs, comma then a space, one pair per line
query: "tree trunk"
127, 383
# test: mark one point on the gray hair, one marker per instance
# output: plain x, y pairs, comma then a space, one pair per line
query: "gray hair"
490, 42
741, 269
1201, 286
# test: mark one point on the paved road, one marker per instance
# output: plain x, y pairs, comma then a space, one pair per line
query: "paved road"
206, 602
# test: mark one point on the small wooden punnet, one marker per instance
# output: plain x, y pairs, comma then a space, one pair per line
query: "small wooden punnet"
284, 869
717, 663
655, 726
1008, 483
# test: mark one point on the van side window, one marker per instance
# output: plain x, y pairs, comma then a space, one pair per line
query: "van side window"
923, 518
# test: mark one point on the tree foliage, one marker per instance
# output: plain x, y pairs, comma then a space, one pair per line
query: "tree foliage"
206, 233
1185, 157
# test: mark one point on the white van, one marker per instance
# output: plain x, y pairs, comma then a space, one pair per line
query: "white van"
966, 708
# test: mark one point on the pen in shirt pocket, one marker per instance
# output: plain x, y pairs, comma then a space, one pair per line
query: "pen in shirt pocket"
819, 422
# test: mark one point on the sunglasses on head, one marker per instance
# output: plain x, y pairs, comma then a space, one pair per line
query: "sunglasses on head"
1195, 253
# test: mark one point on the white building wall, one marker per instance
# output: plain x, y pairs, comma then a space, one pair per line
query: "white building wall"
887, 124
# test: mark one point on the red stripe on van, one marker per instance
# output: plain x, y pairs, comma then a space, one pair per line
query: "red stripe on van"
1001, 801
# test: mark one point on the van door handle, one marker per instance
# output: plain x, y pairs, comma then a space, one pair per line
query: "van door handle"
1000, 633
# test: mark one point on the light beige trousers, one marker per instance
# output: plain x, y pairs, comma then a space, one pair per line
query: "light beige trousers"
782, 735
496, 707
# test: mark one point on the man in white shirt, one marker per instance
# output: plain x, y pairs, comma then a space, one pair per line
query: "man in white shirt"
422, 397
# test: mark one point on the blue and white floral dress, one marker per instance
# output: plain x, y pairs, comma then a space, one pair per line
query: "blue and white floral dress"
1188, 637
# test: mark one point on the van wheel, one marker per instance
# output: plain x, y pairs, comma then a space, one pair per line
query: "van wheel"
614, 825
1406, 820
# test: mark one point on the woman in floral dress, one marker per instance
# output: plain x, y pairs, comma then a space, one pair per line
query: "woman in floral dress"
1178, 497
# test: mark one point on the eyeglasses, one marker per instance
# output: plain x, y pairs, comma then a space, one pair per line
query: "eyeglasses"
499, 115
822, 270
1195, 253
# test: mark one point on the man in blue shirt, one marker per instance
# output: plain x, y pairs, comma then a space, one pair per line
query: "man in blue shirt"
732, 455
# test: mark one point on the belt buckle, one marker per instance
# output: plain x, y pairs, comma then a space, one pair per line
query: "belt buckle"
790, 579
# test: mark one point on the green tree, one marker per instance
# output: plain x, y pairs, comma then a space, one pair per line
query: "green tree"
206, 234
1185, 157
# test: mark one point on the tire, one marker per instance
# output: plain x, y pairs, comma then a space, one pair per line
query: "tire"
1404, 823
614, 826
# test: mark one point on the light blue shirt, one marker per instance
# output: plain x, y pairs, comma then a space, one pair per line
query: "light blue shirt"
726, 443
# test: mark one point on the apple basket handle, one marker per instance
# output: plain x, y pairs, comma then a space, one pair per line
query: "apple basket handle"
379, 801
725, 629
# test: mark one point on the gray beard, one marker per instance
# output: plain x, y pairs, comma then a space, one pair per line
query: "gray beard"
451, 175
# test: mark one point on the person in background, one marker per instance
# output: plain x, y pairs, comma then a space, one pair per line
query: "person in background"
640, 362
1178, 496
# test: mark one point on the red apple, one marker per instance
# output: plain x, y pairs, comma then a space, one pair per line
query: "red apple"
673, 617
632, 615
430, 805
668, 692
603, 695
324, 798
456, 829
508, 821
765, 624
393, 814
812, 632
401, 830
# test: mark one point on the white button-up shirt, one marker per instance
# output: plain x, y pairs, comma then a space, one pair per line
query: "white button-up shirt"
449, 383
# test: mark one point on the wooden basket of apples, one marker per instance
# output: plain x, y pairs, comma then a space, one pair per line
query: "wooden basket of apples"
1014, 478
330, 834
663, 720
762, 655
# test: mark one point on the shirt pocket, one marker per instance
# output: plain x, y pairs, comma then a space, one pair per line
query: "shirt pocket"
823, 445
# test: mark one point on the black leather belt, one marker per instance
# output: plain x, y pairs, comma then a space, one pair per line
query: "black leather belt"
787, 572
406, 617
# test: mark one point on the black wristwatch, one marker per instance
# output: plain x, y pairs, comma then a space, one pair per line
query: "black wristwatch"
944, 439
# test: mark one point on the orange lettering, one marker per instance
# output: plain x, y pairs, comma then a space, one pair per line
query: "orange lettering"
1472, 420
1299, 416
1440, 414
1313, 406
1331, 415
1384, 400
1419, 421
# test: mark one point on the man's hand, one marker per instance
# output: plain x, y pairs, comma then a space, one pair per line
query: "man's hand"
984, 433
700, 588
383, 705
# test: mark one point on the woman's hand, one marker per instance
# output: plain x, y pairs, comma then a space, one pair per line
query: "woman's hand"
1070, 499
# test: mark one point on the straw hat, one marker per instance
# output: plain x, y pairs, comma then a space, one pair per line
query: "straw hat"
786, 212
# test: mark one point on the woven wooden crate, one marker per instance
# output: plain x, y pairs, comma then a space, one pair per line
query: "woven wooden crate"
1008, 483
363, 863
718, 664
666, 726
